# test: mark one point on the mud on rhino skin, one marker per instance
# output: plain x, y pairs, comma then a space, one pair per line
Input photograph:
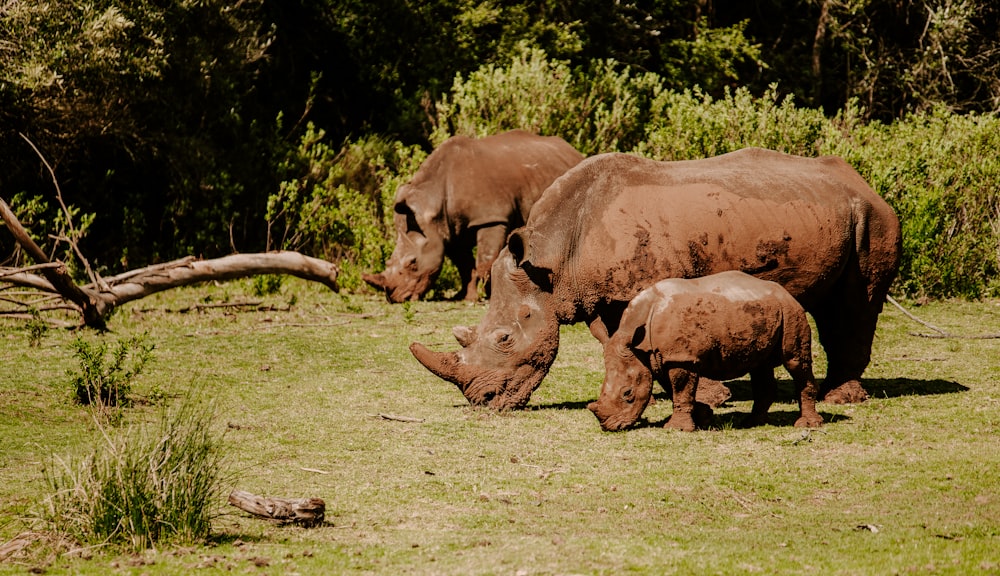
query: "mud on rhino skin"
469, 193
615, 224
720, 326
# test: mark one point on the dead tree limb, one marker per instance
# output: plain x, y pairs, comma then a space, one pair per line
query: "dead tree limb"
92, 306
95, 301
305, 511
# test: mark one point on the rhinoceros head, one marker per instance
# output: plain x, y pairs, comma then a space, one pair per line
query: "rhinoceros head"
505, 358
420, 241
628, 383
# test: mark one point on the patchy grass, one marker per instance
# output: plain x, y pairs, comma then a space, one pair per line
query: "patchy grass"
904, 483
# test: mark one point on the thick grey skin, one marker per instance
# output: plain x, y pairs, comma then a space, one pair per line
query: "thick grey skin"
468, 193
615, 224
720, 326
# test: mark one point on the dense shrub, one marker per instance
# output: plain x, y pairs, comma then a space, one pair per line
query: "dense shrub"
600, 109
691, 124
941, 173
337, 203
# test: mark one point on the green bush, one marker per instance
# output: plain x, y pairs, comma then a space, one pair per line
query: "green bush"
337, 203
141, 486
600, 109
691, 124
941, 173
106, 382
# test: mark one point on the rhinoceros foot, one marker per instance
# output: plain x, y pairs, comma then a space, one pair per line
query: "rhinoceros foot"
849, 392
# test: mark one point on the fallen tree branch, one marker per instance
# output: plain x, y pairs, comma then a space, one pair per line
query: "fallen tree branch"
305, 511
398, 418
95, 301
92, 306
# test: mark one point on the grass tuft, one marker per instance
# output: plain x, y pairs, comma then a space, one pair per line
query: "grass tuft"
142, 486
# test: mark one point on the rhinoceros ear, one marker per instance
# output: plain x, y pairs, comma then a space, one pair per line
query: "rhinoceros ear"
413, 203
527, 258
640, 339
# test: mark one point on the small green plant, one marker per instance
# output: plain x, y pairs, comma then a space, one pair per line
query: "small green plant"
409, 314
106, 381
142, 486
267, 284
37, 328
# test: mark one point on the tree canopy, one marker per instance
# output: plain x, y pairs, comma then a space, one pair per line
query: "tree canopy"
174, 125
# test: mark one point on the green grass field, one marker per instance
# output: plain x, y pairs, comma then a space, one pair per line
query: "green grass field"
906, 483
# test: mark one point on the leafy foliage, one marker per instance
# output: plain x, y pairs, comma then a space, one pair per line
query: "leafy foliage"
941, 174
104, 380
337, 204
597, 110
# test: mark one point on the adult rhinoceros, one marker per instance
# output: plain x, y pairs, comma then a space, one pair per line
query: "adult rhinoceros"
616, 224
469, 192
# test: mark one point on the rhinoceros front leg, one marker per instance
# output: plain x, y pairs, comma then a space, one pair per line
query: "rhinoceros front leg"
461, 255
683, 384
489, 241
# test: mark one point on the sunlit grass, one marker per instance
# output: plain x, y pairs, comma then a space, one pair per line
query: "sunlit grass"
541, 491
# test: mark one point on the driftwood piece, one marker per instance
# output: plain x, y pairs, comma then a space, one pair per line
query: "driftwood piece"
305, 511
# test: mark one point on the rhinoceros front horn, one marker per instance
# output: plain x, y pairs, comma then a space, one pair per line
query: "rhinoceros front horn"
444, 365
376, 281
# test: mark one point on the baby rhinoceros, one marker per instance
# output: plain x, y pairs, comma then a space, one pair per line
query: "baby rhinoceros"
721, 327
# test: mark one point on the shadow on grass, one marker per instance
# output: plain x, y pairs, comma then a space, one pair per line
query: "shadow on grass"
734, 420
741, 392
876, 387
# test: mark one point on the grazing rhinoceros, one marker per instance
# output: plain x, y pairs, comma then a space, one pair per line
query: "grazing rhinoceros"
615, 224
720, 326
467, 193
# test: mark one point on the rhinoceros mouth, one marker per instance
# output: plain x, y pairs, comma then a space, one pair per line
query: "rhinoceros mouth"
612, 420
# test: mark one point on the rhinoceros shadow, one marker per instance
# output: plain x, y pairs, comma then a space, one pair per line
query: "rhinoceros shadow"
876, 387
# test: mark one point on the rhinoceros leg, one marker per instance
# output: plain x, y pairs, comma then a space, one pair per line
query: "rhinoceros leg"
489, 241
846, 323
765, 390
460, 252
683, 384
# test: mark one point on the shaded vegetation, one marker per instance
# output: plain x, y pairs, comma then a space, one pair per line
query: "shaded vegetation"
202, 127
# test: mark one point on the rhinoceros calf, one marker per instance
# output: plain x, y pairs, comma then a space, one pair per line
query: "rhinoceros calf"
469, 193
720, 326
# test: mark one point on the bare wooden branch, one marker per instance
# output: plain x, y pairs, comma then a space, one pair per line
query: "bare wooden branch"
96, 300
397, 418
305, 511
27, 280
226, 268
93, 307
94, 277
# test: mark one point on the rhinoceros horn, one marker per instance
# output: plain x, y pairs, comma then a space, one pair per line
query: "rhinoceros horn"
445, 365
376, 281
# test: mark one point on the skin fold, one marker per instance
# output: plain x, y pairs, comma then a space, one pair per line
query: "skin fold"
720, 326
469, 193
616, 224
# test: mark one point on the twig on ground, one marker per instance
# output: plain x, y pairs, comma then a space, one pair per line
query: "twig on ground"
396, 418
941, 333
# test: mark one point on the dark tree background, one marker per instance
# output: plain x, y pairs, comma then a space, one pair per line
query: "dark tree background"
171, 121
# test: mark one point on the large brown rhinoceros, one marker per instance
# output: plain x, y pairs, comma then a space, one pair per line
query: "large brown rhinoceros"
469, 192
615, 224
